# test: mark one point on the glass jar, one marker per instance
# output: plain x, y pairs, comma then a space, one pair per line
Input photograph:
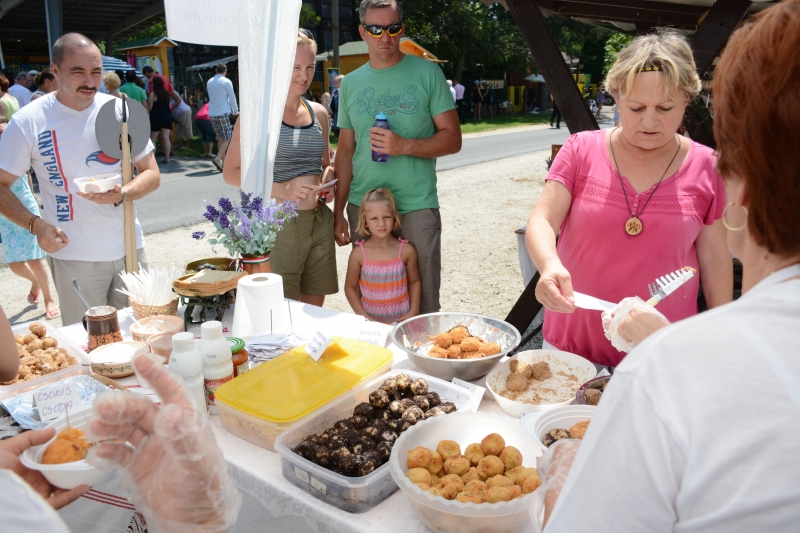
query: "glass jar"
240, 360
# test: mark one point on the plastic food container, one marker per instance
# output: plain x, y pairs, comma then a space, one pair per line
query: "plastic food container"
354, 494
142, 329
115, 360
99, 183
258, 405
68, 475
560, 418
63, 342
559, 361
450, 516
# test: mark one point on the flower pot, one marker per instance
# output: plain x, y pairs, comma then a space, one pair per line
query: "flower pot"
256, 265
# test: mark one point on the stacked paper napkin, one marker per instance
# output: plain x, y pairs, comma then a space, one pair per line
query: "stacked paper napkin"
265, 347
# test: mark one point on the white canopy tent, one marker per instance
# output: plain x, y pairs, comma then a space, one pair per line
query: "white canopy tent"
265, 32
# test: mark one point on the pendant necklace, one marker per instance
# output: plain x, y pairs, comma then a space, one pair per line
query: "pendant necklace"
634, 225
297, 115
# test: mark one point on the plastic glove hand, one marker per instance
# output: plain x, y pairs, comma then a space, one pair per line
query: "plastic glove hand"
172, 467
553, 468
630, 322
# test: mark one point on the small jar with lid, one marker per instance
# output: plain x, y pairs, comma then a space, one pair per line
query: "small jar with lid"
239, 356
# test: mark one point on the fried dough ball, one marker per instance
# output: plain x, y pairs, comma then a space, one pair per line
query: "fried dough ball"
38, 329
475, 486
458, 465
474, 454
442, 340
419, 457
471, 475
497, 494
454, 352
471, 355
35, 345
469, 497
20, 339
419, 475
435, 467
555, 434
489, 348
492, 444
448, 449
470, 344
29, 338
62, 451
511, 457
499, 481
593, 396
490, 466
579, 429
438, 352
531, 483
442, 492
515, 491
423, 486
521, 367
452, 479
519, 474
49, 342
541, 371
459, 334
516, 382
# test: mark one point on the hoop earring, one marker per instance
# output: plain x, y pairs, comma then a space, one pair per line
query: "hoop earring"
725, 223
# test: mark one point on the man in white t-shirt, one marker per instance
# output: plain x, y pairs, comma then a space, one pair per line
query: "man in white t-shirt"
20, 90
221, 107
82, 233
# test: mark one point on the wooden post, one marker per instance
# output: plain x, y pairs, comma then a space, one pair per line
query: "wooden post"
131, 262
551, 63
335, 31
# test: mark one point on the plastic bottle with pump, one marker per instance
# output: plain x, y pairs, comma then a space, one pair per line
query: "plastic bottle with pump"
381, 121
217, 365
185, 361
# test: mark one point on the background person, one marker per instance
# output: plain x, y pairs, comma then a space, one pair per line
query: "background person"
206, 130
112, 83
131, 89
337, 83
422, 130
477, 100
45, 84
20, 89
661, 457
460, 101
158, 104
150, 74
620, 200
182, 114
221, 106
8, 104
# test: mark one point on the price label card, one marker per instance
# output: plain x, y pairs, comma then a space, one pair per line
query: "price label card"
317, 345
477, 391
54, 402
371, 332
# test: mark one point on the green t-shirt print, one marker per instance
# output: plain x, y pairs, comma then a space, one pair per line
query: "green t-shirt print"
411, 93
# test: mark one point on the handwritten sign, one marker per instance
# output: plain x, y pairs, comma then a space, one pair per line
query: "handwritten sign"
371, 332
54, 402
477, 391
317, 345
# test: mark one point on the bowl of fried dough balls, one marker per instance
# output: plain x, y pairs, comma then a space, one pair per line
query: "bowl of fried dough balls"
468, 472
455, 345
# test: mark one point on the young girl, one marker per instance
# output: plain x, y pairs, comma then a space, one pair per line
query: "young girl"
382, 281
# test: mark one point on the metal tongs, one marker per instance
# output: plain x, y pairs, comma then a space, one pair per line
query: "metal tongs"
665, 285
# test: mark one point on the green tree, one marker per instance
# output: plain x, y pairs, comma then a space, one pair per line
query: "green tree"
308, 17
582, 41
615, 43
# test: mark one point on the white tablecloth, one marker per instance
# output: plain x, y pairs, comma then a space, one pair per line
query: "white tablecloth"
270, 503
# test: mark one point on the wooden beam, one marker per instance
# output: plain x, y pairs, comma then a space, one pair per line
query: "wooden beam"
648, 5
627, 14
551, 63
715, 30
8, 5
137, 18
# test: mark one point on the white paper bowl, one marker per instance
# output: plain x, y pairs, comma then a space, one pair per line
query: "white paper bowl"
558, 361
450, 516
68, 475
99, 183
560, 418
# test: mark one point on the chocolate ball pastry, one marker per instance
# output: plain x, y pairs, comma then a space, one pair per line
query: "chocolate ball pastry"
358, 421
364, 409
318, 439
384, 450
540, 371
492, 444
593, 396
555, 434
511, 457
304, 449
419, 387
434, 411
474, 454
422, 402
388, 436
516, 382
490, 466
406, 403
322, 456
395, 409
348, 465
419, 457
351, 437
403, 382
336, 441
381, 414
413, 415
404, 425
390, 386
358, 449
380, 424
343, 426
379, 399
338, 455
448, 449
457, 465
433, 399
448, 407
442, 340
458, 334
520, 367
395, 425
372, 432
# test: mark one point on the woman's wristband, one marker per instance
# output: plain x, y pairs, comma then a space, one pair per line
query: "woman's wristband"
30, 224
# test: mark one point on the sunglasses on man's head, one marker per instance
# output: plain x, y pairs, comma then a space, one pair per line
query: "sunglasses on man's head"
376, 30
306, 33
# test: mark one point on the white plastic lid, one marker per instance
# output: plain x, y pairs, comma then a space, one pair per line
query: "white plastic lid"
211, 329
183, 342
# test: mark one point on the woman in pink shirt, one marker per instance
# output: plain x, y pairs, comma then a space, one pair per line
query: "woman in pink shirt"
631, 204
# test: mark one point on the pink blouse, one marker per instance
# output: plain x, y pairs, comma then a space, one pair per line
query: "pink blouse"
607, 263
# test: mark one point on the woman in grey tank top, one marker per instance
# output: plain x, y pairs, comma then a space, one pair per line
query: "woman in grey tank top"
305, 251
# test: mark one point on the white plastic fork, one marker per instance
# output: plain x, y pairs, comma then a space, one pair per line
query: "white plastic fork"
665, 285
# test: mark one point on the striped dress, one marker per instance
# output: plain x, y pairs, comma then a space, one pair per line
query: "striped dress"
384, 287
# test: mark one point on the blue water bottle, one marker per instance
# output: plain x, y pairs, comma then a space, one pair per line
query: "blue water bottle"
381, 121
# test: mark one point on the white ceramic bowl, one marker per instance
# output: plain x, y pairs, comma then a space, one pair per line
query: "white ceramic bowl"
115, 360
559, 361
560, 418
99, 183
68, 475
450, 516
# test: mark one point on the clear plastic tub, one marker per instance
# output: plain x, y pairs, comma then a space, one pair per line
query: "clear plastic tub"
353, 494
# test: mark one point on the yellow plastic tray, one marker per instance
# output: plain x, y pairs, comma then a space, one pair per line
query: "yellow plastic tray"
292, 385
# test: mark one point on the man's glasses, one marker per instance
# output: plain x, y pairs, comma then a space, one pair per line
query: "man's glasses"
376, 30
307, 33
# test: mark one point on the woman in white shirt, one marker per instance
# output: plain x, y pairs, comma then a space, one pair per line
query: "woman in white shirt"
699, 429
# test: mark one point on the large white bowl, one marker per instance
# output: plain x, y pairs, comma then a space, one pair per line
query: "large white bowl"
583, 369
68, 475
560, 418
441, 515
115, 360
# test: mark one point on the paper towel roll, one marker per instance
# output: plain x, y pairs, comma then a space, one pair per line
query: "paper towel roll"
260, 307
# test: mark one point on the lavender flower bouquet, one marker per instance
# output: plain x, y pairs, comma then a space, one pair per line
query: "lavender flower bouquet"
248, 229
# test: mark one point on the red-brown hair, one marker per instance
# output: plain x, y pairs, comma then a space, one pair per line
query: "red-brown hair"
4, 84
757, 108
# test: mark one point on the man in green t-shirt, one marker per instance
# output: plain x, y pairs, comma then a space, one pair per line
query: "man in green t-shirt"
132, 90
414, 94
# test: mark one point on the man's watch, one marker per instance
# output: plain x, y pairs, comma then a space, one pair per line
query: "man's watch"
124, 197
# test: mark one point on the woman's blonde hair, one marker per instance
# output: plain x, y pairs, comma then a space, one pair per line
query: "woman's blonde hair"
303, 38
111, 80
376, 195
667, 52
